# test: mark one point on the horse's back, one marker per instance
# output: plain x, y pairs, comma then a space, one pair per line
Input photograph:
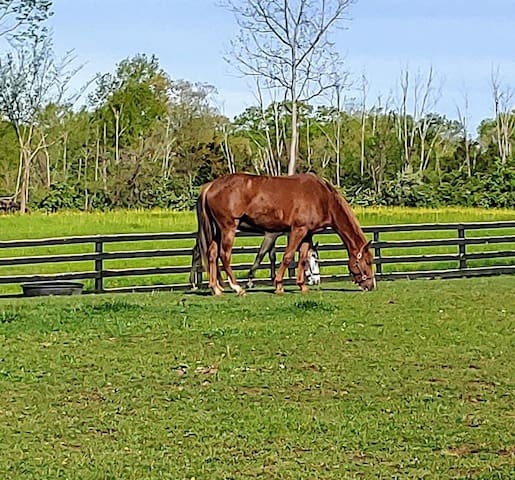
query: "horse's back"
277, 191
248, 184
270, 202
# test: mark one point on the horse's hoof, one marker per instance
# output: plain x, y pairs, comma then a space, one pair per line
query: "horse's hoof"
304, 290
242, 293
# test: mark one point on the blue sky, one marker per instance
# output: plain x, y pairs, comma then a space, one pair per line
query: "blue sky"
463, 41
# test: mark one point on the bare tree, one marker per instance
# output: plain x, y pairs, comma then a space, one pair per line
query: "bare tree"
333, 135
338, 103
287, 44
273, 134
504, 107
29, 78
382, 121
18, 17
363, 121
226, 147
463, 119
418, 97
268, 154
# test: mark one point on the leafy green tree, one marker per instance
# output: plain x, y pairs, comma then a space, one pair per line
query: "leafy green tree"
131, 101
8, 158
152, 133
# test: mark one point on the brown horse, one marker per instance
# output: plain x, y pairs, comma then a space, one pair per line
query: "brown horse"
301, 204
311, 267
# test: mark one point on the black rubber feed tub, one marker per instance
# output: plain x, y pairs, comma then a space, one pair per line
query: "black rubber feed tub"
37, 289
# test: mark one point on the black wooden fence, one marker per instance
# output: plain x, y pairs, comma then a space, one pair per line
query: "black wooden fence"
443, 250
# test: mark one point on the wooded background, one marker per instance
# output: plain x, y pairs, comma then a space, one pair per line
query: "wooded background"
143, 139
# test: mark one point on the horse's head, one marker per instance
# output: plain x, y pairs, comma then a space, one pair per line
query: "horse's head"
312, 266
360, 267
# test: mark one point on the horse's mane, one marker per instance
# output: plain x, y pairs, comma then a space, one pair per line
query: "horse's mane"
340, 200
338, 197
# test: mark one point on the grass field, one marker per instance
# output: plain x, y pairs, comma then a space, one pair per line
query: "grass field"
39, 225
414, 380
76, 224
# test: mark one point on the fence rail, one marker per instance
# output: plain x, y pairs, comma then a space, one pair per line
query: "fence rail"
457, 257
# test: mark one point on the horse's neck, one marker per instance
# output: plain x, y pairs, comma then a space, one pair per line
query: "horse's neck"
347, 227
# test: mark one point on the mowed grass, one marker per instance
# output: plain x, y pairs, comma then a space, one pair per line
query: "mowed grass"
414, 380
76, 224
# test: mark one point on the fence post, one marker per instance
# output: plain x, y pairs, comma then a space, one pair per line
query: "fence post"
462, 247
99, 266
377, 253
198, 277
292, 266
291, 270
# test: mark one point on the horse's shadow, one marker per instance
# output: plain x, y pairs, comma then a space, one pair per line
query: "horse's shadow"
204, 292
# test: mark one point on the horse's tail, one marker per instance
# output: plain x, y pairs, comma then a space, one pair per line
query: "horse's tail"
206, 227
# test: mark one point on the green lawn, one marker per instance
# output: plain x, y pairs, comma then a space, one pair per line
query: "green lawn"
414, 380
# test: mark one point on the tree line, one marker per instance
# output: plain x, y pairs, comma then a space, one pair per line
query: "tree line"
143, 139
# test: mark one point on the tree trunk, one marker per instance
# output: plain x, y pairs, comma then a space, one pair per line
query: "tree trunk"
25, 178
294, 139
338, 153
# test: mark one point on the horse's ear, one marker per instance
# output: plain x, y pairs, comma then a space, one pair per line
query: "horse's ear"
315, 246
367, 246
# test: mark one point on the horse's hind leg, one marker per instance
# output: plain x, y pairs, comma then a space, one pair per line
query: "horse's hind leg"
196, 269
272, 255
267, 246
225, 255
214, 283
294, 240
220, 281
259, 258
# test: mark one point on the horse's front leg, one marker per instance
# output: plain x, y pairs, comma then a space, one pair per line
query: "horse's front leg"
301, 269
294, 240
225, 255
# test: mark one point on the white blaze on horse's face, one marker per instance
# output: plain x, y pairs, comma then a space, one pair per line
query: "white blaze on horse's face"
312, 268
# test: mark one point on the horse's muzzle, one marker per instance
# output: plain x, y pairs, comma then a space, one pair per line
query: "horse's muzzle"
367, 285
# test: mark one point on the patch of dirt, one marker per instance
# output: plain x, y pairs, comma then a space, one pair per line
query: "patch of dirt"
255, 391
507, 452
466, 450
92, 396
483, 383
437, 380
462, 451
311, 366
211, 370
361, 457
474, 399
